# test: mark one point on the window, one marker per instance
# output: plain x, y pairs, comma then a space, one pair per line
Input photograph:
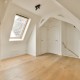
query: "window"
19, 28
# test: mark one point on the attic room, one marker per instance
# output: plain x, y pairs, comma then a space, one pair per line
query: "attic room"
39, 40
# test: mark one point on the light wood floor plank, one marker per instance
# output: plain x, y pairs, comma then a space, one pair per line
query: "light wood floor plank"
45, 67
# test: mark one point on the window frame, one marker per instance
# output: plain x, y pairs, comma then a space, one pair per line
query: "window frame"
23, 32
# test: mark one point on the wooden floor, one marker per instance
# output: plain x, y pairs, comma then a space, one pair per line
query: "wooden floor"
45, 67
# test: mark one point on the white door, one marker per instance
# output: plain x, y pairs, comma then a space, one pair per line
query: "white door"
54, 40
43, 40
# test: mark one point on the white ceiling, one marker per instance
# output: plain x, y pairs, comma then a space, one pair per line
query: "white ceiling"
72, 5
49, 23
49, 8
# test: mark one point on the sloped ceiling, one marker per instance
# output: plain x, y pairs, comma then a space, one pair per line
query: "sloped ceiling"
72, 5
47, 6
51, 8
4, 1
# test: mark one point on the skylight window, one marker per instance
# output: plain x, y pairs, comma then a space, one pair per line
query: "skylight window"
19, 28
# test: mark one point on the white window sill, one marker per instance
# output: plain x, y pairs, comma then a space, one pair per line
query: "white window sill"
15, 39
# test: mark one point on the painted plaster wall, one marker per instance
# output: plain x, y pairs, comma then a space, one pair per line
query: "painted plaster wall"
16, 48
71, 40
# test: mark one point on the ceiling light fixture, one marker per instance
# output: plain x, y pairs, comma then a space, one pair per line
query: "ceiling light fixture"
60, 15
37, 6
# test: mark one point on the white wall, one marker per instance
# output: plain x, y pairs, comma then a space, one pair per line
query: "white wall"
71, 39
60, 38
3, 7
31, 43
38, 40
11, 49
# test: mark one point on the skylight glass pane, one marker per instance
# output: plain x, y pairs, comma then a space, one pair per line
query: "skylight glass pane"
19, 27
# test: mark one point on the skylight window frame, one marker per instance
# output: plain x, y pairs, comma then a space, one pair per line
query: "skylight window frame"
23, 32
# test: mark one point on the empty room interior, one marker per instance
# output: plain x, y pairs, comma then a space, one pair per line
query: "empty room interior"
39, 39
